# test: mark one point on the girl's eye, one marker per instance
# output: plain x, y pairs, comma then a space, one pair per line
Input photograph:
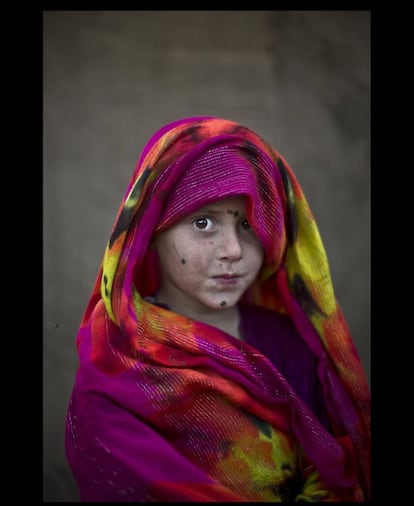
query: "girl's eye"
245, 225
203, 223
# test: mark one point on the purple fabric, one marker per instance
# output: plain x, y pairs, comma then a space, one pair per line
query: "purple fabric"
277, 339
274, 335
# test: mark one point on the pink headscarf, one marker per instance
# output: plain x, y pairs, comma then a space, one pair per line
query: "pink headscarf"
229, 170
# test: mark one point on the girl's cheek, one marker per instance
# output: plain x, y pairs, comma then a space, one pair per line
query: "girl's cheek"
197, 256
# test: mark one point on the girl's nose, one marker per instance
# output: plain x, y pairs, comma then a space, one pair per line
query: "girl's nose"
230, 248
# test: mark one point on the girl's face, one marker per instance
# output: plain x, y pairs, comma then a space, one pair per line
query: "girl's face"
210, 258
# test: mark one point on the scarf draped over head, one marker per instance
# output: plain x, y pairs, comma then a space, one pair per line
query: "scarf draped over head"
178, 376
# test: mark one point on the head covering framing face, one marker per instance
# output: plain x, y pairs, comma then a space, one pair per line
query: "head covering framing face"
226, 170
185, 165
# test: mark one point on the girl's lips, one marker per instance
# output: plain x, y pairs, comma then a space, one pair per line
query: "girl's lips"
227, 279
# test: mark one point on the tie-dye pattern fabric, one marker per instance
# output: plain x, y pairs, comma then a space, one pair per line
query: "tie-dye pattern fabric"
165, 408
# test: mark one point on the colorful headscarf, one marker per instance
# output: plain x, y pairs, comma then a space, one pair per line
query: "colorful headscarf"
222, 425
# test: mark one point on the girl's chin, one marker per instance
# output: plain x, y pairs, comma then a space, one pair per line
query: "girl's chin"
223, 302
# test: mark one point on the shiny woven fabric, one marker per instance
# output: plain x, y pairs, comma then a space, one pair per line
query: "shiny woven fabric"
165, 408
233, 168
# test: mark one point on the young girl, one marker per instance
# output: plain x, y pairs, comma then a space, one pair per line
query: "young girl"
215, 362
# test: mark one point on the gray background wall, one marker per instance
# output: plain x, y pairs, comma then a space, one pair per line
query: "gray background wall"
111, 78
